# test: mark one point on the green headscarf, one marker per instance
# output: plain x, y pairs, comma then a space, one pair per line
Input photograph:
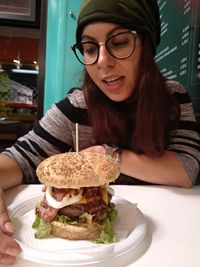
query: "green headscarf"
141, 15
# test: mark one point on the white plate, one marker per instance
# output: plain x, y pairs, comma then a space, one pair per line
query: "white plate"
130, 227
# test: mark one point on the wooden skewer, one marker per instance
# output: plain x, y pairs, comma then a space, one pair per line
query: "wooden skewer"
77, 148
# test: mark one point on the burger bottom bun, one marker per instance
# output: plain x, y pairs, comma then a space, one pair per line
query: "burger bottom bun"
81, 231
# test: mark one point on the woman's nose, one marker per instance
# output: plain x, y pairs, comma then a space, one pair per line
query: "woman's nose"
105, 60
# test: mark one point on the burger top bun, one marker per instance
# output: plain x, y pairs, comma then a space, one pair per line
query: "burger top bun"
78, 169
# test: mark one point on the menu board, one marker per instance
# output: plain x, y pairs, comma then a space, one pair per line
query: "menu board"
178, 54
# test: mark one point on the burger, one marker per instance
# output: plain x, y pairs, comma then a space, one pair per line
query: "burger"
77, 198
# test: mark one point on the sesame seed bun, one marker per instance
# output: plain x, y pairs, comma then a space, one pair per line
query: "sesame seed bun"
78, 169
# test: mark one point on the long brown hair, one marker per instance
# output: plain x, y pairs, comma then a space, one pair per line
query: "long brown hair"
141, 123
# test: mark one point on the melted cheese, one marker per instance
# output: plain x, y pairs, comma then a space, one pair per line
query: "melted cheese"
82, 201
105, 194
66, 201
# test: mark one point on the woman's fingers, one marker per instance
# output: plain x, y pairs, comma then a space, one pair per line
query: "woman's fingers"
6, 259
9, 248
5, 223
8, 245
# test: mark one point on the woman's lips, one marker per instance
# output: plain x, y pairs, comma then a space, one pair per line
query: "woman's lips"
112, 80
113, 83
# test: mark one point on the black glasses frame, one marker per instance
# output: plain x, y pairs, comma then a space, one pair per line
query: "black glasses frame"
79, 45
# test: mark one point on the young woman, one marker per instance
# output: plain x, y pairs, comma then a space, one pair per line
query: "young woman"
125, 108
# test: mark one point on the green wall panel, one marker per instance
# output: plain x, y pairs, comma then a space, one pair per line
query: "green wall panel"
62, 69
178, 54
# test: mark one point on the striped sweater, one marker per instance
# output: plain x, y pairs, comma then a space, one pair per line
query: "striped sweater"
55, 133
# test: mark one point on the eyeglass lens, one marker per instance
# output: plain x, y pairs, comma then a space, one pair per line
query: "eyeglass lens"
120, 46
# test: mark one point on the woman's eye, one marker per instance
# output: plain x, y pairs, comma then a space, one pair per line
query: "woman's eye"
89, 50
120, 43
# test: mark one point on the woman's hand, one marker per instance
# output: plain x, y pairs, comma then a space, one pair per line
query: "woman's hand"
9, 248
95, 149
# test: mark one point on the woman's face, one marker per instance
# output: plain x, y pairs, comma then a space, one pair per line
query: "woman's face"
116, 78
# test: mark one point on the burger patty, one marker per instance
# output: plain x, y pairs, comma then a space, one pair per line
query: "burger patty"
74, 210
95, 206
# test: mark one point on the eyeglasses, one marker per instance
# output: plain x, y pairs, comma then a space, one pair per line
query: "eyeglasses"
120, 45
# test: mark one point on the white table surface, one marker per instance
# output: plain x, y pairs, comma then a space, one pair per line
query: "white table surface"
173, 218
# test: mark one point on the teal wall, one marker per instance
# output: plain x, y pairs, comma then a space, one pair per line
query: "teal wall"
63, 71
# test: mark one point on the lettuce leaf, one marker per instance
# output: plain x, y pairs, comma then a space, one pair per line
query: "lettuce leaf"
108, 234
112, 215
43, 229
63, 219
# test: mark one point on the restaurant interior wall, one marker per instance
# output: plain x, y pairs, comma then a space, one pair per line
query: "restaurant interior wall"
21, 57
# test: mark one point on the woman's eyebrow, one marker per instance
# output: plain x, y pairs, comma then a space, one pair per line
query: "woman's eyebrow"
85, 36
108, 34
